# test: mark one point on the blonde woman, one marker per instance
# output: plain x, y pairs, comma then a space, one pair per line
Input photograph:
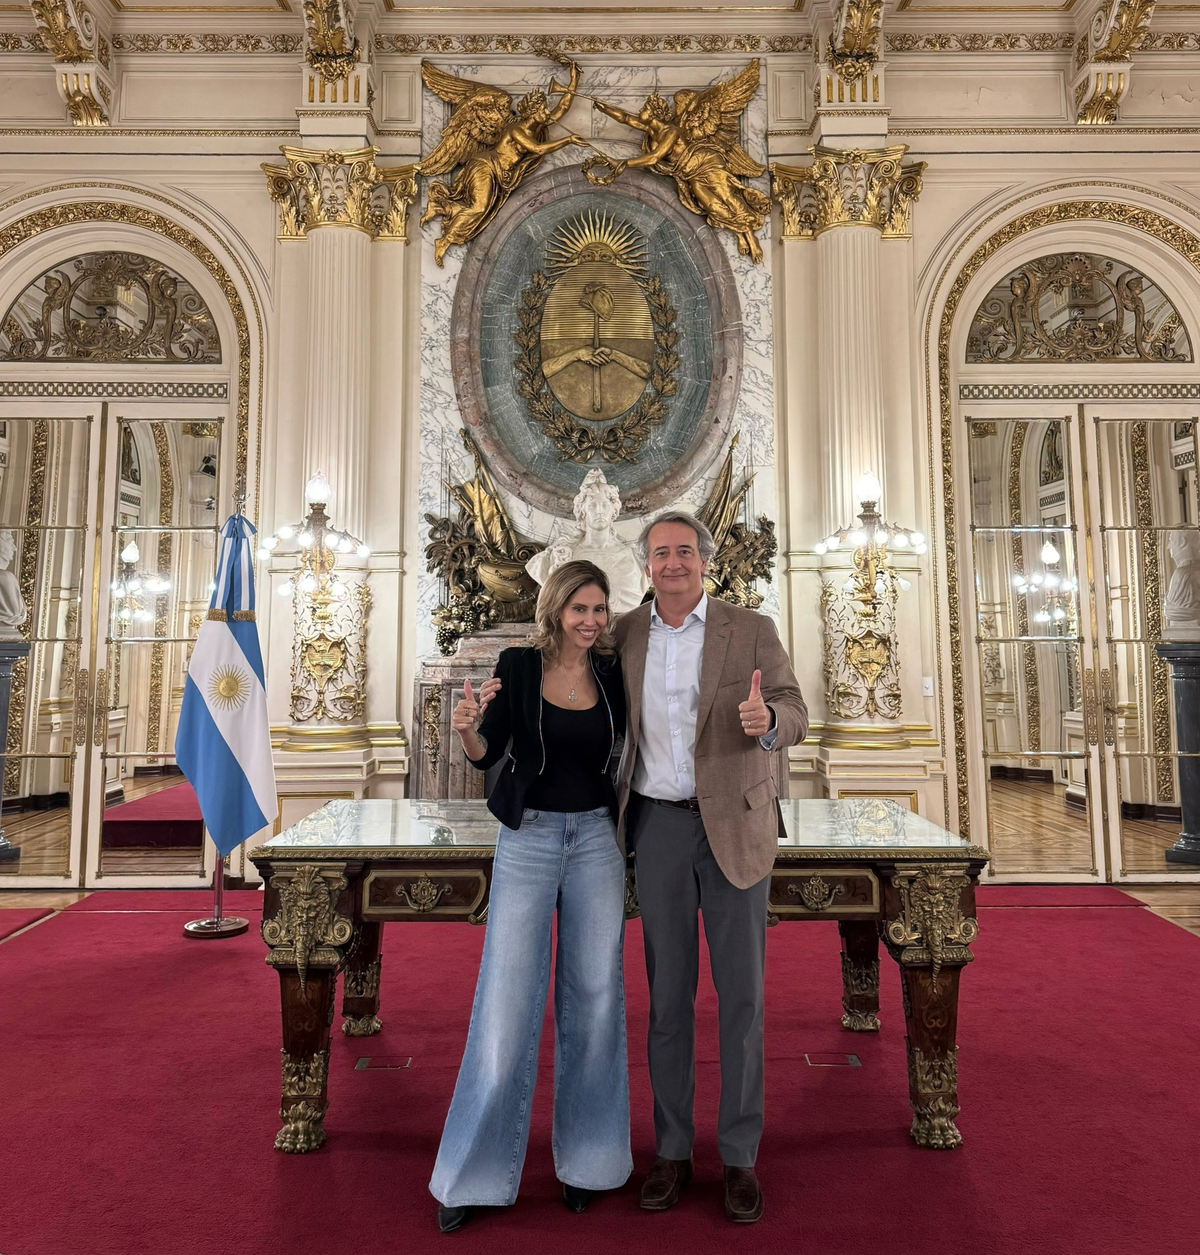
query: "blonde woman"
554, 712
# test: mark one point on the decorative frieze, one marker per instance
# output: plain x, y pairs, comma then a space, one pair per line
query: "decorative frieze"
556, 45
848, 187
345, 189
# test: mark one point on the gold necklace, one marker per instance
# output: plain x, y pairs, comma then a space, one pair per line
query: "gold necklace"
571, 696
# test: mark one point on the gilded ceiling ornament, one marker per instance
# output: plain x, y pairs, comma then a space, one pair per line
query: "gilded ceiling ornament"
1104, 59
596, 341
854, 44
693, 140
332, 188
869, 187
743, 554
481, 559
110, 307
67, 28
1077, 307
330, 46
494, 141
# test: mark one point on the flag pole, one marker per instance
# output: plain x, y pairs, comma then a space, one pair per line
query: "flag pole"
218, 924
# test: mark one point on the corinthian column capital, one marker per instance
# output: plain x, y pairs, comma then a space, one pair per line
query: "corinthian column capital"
848, 187
332, 188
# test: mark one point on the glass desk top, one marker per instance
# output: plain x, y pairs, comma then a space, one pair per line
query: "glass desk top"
406, 825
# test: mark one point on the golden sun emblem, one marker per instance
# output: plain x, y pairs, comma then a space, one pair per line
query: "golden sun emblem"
229, 687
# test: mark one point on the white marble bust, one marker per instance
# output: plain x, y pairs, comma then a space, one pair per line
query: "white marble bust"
597, 505
1181, 608
13, 610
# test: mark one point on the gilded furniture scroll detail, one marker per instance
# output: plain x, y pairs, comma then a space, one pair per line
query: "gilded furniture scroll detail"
481, 558
308, 929
859, 982
933, 1088
816, 893
497, 142
694, 141
871, 187
422, 894
930, 927
319, 188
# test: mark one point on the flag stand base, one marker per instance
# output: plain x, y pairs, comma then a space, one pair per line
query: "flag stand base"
217, 925
229, 926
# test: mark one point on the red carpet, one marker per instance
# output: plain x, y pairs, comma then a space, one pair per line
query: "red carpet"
13, 920
141, 1083
1052, 895
170, 817
198, 901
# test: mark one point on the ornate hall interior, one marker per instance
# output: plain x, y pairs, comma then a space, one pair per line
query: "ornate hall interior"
900, 297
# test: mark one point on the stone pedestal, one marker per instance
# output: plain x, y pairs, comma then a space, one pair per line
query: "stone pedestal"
11, 652
1184, 657
440, 768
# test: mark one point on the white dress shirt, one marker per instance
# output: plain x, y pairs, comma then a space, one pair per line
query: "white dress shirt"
666, 762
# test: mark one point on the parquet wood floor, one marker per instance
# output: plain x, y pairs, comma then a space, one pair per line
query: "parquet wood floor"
44, 840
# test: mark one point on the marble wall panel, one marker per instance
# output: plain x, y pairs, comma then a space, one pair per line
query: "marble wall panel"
442, 453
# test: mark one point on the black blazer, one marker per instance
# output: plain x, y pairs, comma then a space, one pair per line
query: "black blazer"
512, 728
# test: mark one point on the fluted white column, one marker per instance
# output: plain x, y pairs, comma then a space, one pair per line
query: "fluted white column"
850, 368
336, 430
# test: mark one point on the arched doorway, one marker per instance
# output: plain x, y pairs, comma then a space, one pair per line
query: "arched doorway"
124, 404
1070, 419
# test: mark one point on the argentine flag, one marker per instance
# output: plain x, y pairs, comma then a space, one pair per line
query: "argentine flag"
223, 743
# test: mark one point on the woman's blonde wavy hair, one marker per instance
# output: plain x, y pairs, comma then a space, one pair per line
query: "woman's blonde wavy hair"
561, 585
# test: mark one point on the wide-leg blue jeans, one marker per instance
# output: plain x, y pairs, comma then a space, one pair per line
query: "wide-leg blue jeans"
567, 862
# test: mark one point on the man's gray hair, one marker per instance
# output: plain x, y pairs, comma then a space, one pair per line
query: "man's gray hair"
705, 545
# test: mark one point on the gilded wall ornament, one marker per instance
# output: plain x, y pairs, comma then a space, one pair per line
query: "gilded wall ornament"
865, 187
859, 981
694, 141
330, 46
495, 140
329, 652
110, 307
1104, 59
481, 559
854, 44
596, 342
1077, 307
743, 554
861, 654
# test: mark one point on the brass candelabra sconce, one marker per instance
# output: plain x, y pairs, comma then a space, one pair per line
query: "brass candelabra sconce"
871, 538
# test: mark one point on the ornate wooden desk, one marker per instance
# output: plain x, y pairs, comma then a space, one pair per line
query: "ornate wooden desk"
876, 868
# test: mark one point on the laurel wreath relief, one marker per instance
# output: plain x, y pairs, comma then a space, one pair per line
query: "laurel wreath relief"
621, 439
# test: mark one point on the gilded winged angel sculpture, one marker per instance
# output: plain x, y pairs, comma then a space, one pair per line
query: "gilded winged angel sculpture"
496, 143
695, 142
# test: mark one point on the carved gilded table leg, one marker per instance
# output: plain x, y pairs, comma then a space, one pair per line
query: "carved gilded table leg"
307, 923
860, 975
928, 927
360, 992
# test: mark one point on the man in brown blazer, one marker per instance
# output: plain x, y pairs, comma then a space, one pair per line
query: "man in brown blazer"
710, 691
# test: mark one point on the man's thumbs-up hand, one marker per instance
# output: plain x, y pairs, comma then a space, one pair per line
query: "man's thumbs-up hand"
753, 712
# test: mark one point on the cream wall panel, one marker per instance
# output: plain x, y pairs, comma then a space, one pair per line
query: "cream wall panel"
401, 95
247, 97
991, 95
788, 98
1162, 95
31, 97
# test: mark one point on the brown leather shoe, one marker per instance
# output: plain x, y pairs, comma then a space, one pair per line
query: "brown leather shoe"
665, 1182
743, 1197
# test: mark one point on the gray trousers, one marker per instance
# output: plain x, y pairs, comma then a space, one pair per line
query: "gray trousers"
677, 879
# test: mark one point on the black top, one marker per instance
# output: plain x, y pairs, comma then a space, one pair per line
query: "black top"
575, 741
512, 728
